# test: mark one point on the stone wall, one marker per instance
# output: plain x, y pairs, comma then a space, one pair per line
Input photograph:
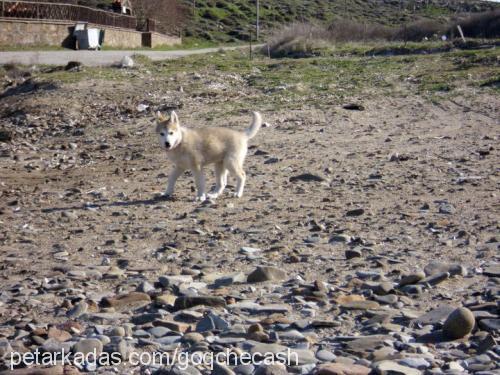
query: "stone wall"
19, 32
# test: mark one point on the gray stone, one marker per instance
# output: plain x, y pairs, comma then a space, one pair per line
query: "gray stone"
266, 273
411, 278
272, 369
234, 278
246, 369
415, 362
490, 325
435, 316
388, 367
78, 310
454, 269
175, 280
146, 287
492, 270
212, 322
54, 346
5, 348
86, 346
159, 331
185, 302
117, 331
325, 355
221, 369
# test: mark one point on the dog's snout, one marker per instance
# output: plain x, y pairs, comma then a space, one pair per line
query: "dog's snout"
167, 144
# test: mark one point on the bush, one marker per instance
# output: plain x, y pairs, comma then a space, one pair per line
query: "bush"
420, 30
480, 25
297, 40
348, 31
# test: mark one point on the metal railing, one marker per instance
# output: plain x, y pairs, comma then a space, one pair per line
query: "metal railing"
64, 12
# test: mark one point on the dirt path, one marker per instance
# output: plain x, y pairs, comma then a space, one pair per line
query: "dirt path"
95, 58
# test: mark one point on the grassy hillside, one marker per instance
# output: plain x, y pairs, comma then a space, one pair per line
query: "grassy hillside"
232, 20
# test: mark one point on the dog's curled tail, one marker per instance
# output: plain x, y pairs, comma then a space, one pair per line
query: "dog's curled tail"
256, 124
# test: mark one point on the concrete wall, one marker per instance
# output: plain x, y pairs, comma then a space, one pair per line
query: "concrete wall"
19, 32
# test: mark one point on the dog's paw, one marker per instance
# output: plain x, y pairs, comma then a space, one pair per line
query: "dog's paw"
212, 195
238, 195
201, 198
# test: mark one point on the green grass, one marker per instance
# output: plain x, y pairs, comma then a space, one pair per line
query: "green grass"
316, 82
227, 21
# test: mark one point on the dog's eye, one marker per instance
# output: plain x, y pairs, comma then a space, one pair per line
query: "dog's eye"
170, 133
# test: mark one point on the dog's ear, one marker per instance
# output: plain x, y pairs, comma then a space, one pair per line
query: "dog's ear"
160, 116
173, 118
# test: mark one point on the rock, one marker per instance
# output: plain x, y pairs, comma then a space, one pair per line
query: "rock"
185, 302
146, 287
415, 362
55, 370
117, 331
266, 273
306, 177
360, 305
353, 107
271, 369
171, 325
262, 348
454, 269
249, 250
238, 277
411, 278
244, 369
212, 322
342, 238
221, 369
5, 348
166, 300
86, 346
126, 62
78, 310
127, 302
299, 357
325, 355
193, 337
54, 346
341, 369
392, 368
353, 253
490, 325
492, 270
435, 316
73, 66
459, 323
58, 334
176, 280
355, 212
436, 278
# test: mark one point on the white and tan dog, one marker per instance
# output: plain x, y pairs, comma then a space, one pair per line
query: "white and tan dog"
192, 149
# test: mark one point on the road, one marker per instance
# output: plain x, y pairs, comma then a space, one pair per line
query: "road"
95, 58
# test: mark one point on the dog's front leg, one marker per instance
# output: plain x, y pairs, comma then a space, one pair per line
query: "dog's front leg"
199, 179
172, 178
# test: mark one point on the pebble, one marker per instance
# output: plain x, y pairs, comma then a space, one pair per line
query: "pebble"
388, 367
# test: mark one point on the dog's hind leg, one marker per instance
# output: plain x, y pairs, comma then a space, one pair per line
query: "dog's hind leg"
220, 180
236, 169
199, 179
172, 178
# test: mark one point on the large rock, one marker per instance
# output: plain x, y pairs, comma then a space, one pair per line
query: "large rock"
127, 302
459, 323
266, 273
5, 348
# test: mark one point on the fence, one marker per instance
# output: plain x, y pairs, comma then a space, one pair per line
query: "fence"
64, 12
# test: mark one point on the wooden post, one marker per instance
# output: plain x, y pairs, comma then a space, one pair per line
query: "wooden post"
257, 31
250, 45
461, 33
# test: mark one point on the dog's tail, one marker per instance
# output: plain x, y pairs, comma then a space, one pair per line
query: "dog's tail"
256, 124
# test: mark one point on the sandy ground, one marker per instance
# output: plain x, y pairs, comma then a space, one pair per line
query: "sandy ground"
79, 179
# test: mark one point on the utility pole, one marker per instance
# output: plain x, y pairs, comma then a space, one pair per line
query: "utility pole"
257, 27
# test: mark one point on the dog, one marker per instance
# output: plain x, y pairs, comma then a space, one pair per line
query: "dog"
193, 149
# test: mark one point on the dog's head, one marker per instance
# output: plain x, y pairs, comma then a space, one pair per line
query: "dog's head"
168, 130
